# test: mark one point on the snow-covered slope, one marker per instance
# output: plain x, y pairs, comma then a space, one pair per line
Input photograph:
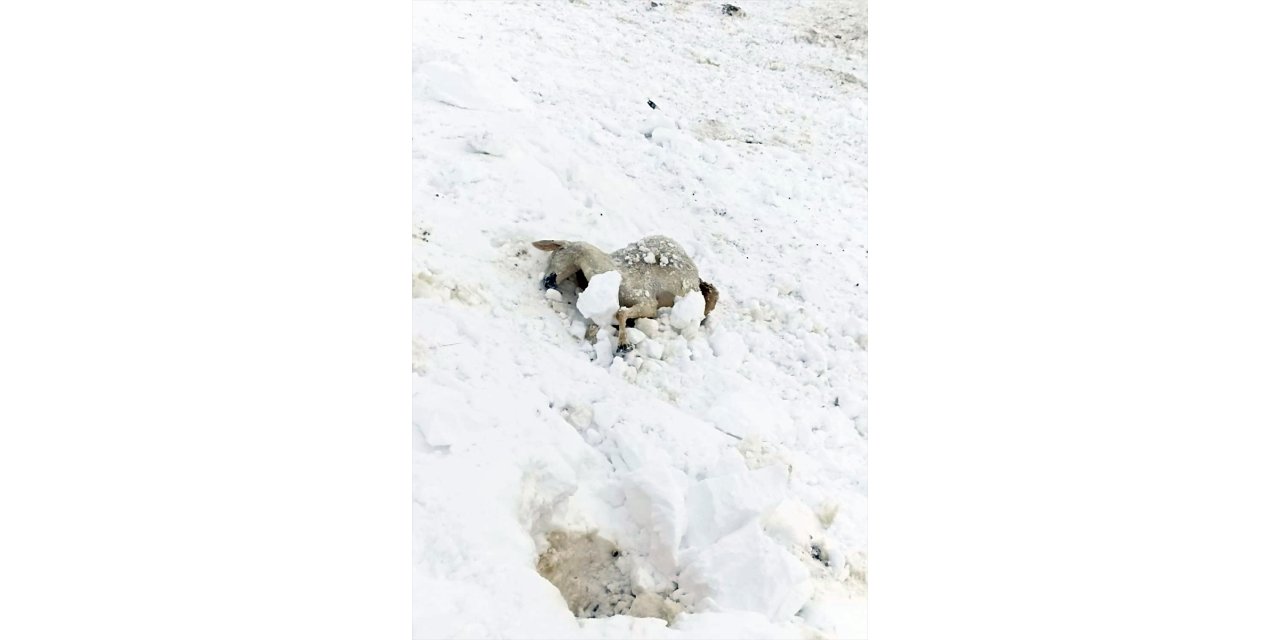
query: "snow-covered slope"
712, 482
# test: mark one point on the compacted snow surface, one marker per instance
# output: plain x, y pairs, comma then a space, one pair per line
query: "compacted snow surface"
711, 482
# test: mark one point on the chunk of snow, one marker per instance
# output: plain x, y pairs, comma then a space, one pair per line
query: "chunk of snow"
599, 301
649, 326
793, 523
724, 503
677, 349
655, 501
747, 571
604, 348
652, 349
688, 310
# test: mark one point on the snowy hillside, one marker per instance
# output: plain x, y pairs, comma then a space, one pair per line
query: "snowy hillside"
712, 482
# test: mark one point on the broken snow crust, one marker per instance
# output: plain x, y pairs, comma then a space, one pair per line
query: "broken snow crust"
711, 482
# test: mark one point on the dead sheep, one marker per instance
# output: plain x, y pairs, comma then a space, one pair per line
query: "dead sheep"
655, 272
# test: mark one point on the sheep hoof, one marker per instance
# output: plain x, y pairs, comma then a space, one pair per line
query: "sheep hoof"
549, 281
624, 349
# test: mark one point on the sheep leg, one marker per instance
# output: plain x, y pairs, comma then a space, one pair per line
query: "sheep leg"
647, 309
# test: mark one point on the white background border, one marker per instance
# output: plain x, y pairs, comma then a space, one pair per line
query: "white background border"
206, 344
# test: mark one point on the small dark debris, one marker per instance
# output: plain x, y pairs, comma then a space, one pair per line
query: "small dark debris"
653, 5
753, 142
720, 211
616, 553
652, 105
839, 37
818, 554
837, 402
729, 9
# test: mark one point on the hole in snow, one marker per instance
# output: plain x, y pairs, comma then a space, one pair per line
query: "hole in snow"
588, 571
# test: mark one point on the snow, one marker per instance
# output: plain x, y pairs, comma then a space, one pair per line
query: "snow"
599, 301
687, 311
724, 503
723, 461
469, 88
748, 571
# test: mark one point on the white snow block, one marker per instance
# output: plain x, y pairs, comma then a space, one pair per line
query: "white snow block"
599, 301
746, 571
649, 326
688, 311
652, 349
655, 501
719, 505
793, 524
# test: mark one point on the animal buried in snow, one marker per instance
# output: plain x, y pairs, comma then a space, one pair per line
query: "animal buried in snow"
655, 272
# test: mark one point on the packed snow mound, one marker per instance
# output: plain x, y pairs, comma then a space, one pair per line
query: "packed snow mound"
723, 460
599, 301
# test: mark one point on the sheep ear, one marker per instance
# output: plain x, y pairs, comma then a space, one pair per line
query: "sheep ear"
548, 245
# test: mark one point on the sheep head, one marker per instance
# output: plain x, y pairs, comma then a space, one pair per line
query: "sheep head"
575, 262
